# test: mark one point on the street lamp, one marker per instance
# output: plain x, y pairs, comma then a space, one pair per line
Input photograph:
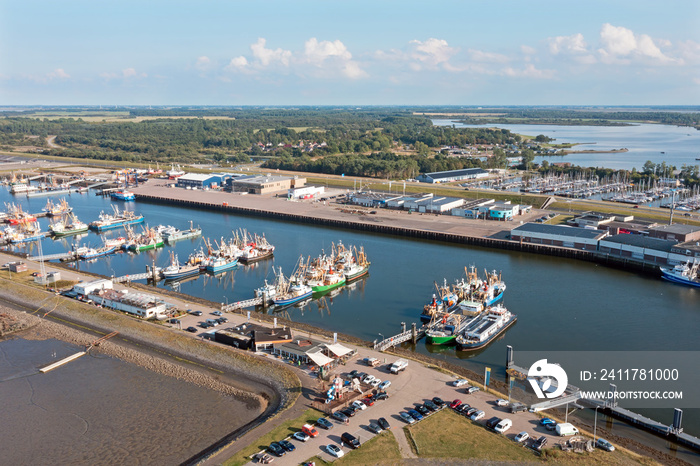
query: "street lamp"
381, 336
595, 423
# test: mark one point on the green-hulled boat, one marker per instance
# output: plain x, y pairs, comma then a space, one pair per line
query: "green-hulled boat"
327, 283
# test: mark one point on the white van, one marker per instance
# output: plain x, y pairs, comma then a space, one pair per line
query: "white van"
503, 426
565, 429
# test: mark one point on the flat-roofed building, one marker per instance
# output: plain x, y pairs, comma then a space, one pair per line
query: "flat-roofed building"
253, 336
370, 199
140, 304
305, 192
472, 208
677, 232
432, 204
85, 288
264, 184
688, 249
452, 175
198, 181
558, 235
639, 247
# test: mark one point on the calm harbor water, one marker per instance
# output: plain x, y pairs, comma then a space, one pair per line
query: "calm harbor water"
675, 145
100, 410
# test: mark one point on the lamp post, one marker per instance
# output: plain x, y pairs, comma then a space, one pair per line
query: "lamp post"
595, 424
381, 336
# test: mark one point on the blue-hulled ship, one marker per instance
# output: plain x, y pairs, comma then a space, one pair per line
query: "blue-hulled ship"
684, 274
116, 220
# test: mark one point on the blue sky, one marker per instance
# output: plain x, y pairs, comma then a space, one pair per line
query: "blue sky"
153, 52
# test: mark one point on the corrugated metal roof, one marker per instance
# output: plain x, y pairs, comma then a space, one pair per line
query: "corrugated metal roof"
641, 241
453, 173
679, 228
560, 230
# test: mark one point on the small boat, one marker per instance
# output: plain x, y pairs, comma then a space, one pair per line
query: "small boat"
176, 271
172, 234
147, 240
327, 281
17, 216
268, 290
115, 242
92, 253
123, 196
23, 235
256, 250
684, 274
486, 328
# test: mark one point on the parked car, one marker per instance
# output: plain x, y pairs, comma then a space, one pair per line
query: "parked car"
422, 409
380, 396
407, 417
309, 430
359, 405
338, 416
376, 382
431, 406
276, 449
334, 450
368, 379
503, 426
384, 423
460, 382
350, 440
287, 445
348, 411
471, 390
550, 427
384, 385
492, 422
217, 313
368, 401
438, 402
191, 329
195, 313
518, 408
376, 428
222, 320
175, 321
477, 415
353, 374
415, 414
501, 402
604, 444
455, 404
204, 325
324, 423
545, 420
540, 443
301, 436
263, 458
521, 437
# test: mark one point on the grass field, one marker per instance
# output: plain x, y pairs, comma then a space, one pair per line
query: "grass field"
280, 432
380, 450
448, 435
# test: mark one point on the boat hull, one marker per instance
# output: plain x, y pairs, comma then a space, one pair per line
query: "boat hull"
183, 235
680, 280
97, 254
146, 247
181, 274
475, 346
322, 288
250, 260
112, 226
28, 239
69, 232
285, 302
221, 268
356, 275
440, 340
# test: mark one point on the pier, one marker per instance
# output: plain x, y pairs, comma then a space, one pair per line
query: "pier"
406, 335
243, 304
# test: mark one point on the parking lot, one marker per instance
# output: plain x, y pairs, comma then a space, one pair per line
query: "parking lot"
417, 384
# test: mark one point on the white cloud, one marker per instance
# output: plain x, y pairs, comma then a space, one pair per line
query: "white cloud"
329, 55
689, 51
431, 53
58, 73
267, 56
203, 63
530, 71
487, 57
127, 73
567, 44
622, 45
527, 50
237, 64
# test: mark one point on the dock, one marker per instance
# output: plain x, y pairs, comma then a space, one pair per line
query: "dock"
414, 334
242, 304
63, 361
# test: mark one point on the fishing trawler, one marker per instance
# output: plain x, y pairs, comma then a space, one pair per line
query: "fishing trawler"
176, 271
257, 249
486, 328
116, 220
685, 274
24, 233
442, 303
171, 234
55, 210
16, 216
290, 291
92, 253
69, 226
123, 195
148, 239
352, 262
219, 264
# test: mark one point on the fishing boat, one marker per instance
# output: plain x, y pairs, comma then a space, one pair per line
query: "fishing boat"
486, 328
174, 173
115, 242
16, 216
685, 274
442, 303
176, 271
123, 195
20, 188
148, 239
353, 265
220, 264
115, 220
55, 210
327, 281
92, 253
268, 290
172, 234
292, 290
69, 226
256, 250
23, 234
444, 329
